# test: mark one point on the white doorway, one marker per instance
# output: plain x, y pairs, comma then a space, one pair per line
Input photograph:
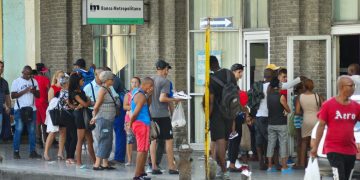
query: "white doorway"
256, 56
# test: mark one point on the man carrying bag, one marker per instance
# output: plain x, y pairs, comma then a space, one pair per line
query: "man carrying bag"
24, 89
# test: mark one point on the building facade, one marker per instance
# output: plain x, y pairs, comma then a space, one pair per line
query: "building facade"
324, 36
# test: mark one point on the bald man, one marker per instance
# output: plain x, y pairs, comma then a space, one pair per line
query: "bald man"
339, 111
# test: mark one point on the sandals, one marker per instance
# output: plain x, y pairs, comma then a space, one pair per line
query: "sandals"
70, 161
100, 168
230, 169
46, 158
108, 167
60, 158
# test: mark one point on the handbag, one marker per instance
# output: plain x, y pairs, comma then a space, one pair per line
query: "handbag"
55, 115
26, 113
154, 130
86, 112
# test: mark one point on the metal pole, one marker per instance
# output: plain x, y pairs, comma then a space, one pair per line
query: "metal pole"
207, 98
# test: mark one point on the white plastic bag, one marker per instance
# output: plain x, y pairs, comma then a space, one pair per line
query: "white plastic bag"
178, 118
312, 171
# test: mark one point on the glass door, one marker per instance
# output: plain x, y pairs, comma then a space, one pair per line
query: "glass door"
256, 55
114, 47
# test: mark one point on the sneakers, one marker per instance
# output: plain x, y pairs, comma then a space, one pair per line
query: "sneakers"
142, 178
17, 155
286, 171
34, 155
233, 135
223, 176
181, 95
290, 162
272, 169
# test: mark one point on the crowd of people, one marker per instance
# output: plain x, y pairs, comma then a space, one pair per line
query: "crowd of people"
266, 109
87, 107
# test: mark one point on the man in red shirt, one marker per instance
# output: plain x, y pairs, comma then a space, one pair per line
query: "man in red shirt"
340, 114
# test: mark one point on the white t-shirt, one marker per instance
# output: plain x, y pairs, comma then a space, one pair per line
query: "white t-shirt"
27, 99
263, 109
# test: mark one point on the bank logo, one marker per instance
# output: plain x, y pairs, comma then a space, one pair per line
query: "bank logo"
94, 7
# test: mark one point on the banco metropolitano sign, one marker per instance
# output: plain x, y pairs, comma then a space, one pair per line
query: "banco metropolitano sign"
113, 12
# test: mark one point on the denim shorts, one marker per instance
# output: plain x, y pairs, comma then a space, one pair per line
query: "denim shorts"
130, 138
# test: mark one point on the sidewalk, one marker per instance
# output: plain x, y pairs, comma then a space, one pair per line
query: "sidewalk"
54, 170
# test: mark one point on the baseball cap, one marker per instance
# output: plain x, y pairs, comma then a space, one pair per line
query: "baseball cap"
40, 67
272, 67
237, 66
80, 63
161, 64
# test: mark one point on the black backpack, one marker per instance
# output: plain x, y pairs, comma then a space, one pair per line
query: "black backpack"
229, 103
255, 95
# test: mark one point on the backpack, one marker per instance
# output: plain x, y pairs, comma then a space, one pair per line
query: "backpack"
87, 75
255, 95
229, 104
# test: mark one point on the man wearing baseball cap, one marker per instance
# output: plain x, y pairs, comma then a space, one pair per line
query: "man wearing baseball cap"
159, 109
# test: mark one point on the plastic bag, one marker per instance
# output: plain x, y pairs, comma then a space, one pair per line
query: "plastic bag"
312, 171
245, 143
178, 118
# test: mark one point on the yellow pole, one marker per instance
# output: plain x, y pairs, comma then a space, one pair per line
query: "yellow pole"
207, 98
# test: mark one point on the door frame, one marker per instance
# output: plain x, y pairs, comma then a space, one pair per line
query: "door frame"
252, 37
290, 66
290, 59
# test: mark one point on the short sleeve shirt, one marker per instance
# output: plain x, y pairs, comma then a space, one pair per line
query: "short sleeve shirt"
72, 95
160, 109
341, 120
27, 99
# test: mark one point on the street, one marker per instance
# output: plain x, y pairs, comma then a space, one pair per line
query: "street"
38, 169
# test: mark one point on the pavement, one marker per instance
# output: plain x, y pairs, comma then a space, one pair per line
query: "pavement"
26, 168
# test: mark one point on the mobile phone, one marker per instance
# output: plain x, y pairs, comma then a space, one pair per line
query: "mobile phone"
34, 87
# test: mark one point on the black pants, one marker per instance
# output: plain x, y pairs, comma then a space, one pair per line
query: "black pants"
71, 139
341, 164
234, 145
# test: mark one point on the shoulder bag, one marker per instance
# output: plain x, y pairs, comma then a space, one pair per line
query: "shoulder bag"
26, 113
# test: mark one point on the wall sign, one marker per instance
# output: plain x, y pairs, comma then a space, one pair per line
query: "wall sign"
113, 12
200, 65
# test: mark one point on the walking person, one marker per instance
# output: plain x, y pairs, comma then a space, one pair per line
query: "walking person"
42, 102
140, 123
50, 128
277, 128
339, 146
24, 89
160, 104
103, 115
78, 99
308, 105
130, 138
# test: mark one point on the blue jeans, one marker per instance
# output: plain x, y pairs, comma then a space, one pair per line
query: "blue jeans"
31, 128
120, 138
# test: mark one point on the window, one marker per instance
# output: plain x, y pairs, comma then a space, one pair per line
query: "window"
114, 47
256, 14
346, 10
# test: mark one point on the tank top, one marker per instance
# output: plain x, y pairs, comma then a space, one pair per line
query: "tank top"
127, 115
276, 110
56, 89
107, 110
144, 114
